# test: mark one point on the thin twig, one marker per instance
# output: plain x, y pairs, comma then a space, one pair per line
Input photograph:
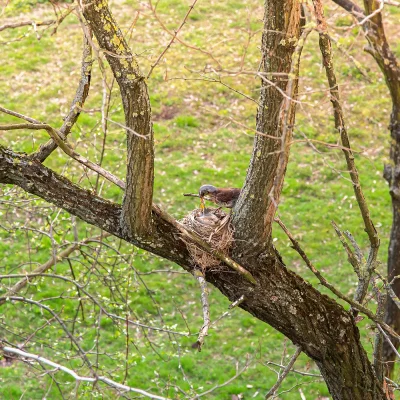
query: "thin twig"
238, 373
91, 297
75, 109
173, 38
46, 266
295, 371
285, 372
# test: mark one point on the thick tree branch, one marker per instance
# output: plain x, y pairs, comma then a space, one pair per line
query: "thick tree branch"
255, 209
136, 215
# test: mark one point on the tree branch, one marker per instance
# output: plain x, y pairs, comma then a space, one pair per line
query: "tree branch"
79, 100
254, 211
45, 267
136, 208
317, 323
365, 271
206, 309
79, 378
283, 375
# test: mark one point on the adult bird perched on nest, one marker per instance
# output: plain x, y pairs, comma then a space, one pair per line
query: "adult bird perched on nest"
222, 197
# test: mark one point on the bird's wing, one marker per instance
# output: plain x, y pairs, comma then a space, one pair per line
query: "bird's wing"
227, 195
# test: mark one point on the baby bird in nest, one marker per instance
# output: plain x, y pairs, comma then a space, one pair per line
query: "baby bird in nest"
222, 197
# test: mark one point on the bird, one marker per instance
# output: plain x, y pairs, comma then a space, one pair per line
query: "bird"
222, 197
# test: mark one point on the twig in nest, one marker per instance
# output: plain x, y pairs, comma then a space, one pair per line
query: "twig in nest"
206, 309
191, 195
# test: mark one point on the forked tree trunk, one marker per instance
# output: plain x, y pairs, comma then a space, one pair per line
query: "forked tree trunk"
323, 329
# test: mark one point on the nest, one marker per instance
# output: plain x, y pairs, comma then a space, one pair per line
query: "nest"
214, 228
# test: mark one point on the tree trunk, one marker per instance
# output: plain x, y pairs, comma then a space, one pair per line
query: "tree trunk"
323, 329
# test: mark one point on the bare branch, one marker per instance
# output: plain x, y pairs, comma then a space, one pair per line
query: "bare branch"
46, 266
173, 38
284, 373
206, 308
60, 322
34, 23
238, 373
67, 149
293, 370
80, 97
331, 287
79, 378
81, 288
326, 50
26, 23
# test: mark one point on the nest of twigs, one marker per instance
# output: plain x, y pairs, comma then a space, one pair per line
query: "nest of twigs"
214, 227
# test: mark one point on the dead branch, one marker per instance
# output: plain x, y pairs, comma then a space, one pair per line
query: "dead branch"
79, 378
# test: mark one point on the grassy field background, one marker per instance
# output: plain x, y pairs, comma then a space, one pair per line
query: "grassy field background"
203, 132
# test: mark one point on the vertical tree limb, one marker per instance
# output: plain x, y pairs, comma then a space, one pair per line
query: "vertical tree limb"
365, 271
206, 308
137, 203
255, 209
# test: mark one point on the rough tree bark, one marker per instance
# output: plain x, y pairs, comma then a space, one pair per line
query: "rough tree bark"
380, 50
135, 100
323, 329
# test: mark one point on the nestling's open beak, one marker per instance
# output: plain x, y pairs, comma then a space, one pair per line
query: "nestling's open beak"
202, 206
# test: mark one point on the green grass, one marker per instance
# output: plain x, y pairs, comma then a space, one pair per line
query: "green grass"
198, 140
